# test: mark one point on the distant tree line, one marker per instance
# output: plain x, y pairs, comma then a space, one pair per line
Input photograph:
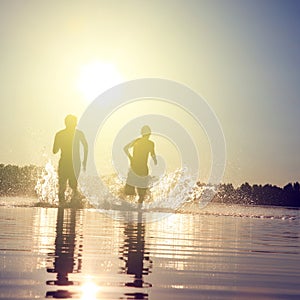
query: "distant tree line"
255, 194
18, 181
21, 181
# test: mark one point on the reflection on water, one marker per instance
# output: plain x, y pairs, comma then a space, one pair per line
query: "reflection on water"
83, 254
68, 251
67, 257
134, 255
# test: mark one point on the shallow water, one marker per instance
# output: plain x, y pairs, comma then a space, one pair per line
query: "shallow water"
221, 252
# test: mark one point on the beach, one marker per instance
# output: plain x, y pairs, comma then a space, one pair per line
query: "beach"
90, 254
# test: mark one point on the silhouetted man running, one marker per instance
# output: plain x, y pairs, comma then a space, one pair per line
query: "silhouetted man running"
138, 173
68, 142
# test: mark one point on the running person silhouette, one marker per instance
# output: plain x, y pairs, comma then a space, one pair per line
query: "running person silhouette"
138, 173
68, 141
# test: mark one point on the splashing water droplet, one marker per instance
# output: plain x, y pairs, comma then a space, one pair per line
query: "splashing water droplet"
167, 193
46, 186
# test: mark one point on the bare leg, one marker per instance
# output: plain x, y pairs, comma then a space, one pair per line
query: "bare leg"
62, 184
74, 186
76, 195
129, 189
141, 193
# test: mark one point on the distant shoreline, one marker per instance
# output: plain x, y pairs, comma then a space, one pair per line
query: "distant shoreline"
18, 181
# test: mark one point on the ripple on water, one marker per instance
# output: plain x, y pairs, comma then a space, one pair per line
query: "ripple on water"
87, 254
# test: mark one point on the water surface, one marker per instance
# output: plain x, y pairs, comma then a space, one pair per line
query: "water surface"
217, 253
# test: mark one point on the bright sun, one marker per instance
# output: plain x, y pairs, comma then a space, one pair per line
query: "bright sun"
96, 77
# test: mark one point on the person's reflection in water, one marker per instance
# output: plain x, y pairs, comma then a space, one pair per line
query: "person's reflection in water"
67, 255
134, 255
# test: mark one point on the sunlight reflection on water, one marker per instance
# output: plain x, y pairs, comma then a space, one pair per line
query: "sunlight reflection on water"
83, 254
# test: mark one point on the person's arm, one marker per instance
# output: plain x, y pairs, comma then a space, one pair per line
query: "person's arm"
153, 155
126, 150
56, 146
85, 151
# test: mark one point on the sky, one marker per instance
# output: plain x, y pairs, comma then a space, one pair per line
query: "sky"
242, 57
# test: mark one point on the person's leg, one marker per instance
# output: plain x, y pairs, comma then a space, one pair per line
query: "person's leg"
129, 189
73, 182
143, 187
74, 186
142, 193
62, 181
62, 184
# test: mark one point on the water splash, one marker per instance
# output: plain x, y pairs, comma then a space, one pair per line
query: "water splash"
168, 192
172, 190
46, 186
202, 194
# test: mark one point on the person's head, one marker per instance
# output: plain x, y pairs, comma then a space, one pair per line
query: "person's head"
70, 121
146, 131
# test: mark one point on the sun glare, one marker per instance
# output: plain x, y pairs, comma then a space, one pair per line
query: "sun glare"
96, 77
89, 290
